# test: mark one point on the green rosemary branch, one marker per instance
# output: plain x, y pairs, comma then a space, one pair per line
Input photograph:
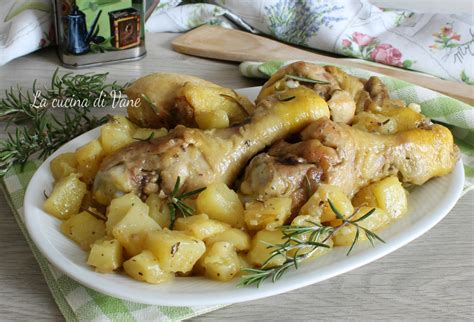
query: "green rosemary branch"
42, 132
307, 80
176, 202
296, 239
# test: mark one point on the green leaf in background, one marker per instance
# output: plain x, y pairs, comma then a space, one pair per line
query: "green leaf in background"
20, 6
270, 67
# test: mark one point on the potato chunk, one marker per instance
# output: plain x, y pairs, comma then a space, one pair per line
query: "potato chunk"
175, 250
88, 159
106, 256
66, 197
221, 203
84, 229
159, 210
212, 120
116, 134
387, 194
145, 267
207, 99
269, 214
119, 207
376, 221
200, 226
238, 238
259, 251
220, 262
318, 205
131, 230
63, 165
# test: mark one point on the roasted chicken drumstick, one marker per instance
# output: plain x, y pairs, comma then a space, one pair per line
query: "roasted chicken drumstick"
201, 157
350, 159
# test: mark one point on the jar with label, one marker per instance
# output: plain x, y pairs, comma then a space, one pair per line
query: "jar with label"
91, 33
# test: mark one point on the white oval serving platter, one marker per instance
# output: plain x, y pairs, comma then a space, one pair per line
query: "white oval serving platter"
428, 204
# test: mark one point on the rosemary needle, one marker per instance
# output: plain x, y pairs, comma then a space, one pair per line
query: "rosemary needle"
176, 202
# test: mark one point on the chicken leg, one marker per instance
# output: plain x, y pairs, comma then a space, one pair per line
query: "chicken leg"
351, 158
201, 157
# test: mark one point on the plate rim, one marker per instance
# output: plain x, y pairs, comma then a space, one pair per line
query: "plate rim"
423, 225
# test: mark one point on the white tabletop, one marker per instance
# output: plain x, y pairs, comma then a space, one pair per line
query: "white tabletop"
431, 278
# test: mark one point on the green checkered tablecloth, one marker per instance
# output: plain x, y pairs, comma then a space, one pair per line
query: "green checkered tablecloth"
76, 302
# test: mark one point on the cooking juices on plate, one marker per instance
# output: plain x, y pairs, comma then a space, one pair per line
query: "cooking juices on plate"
198, 180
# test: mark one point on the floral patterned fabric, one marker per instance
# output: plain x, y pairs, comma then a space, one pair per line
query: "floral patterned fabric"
441, 45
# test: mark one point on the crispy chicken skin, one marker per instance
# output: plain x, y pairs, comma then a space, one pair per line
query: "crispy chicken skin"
201, 157
157, 93
351, 158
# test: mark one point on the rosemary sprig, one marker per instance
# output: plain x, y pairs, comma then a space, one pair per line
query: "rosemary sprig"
42, 132
176, 202
296, 239
306, 80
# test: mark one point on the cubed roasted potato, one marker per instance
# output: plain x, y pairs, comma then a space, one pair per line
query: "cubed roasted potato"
318, 204
145, 267
142, 133
371, 122
260, 252
88, 159
84, 229
175, 250
244, 263
405, 118
106, 256
119, 207
159, 210
238, 238
116, 134
376, 221
131, 231
63, 165
207, 99
221, 203
212, 120
220, 262
269, 214
387, 194
200, 226
66, 197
